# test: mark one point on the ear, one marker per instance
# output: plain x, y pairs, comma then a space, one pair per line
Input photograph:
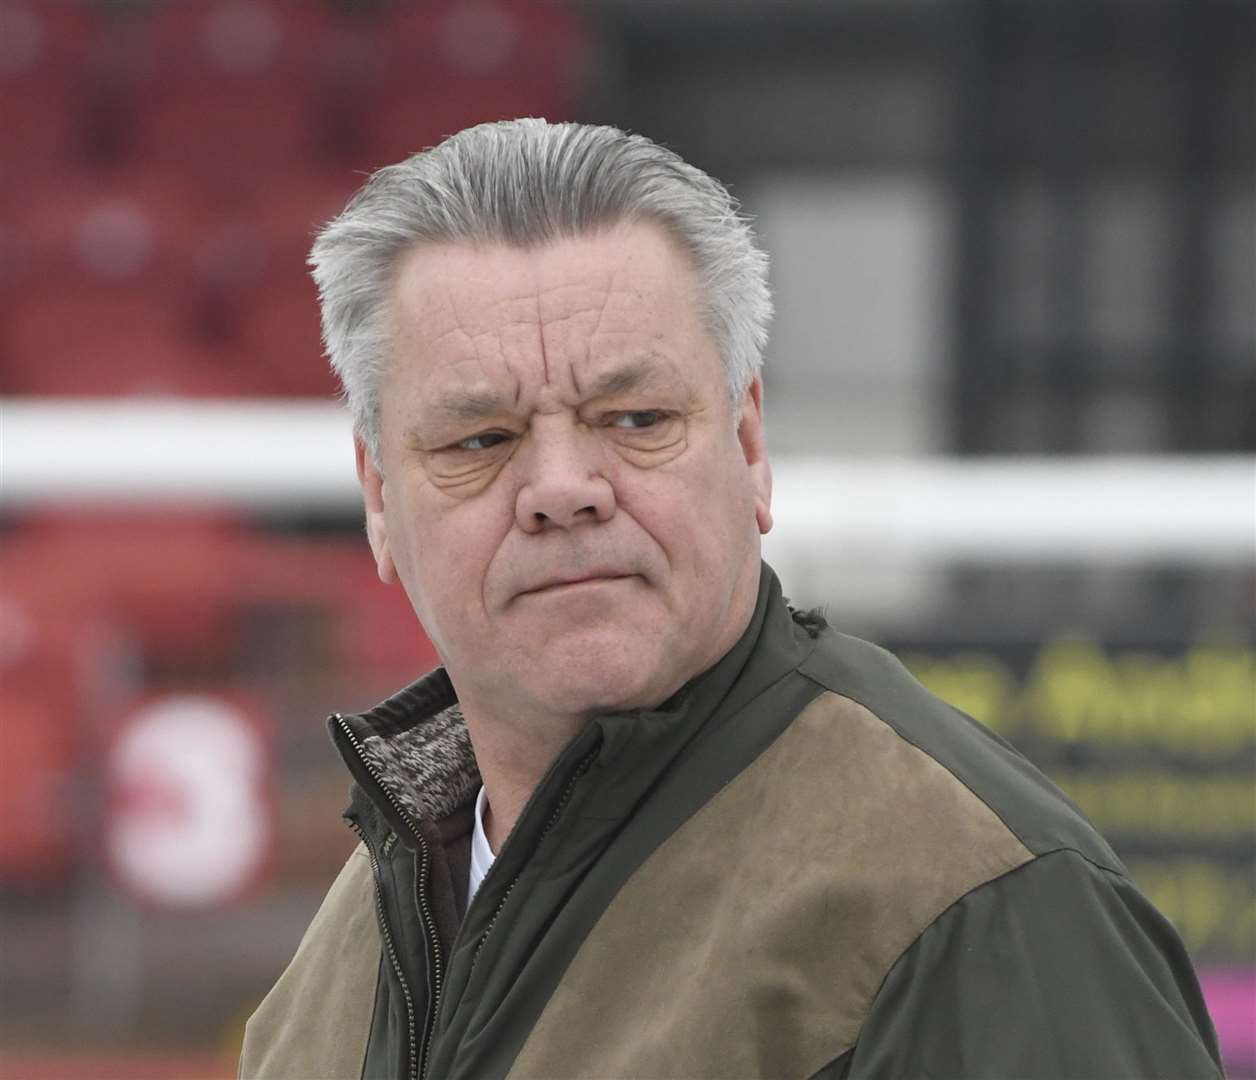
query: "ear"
750, 435
372, 482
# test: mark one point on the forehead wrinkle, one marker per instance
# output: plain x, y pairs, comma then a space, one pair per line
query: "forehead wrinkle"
642, 370
437, 298
506, 334
408, 332
484, 312
569, 321
593, 336
540, 340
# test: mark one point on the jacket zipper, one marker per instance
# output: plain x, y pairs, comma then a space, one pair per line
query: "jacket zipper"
417, 1065
381, 914
563, 799
436, 974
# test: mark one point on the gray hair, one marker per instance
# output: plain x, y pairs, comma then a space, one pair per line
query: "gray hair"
527, 183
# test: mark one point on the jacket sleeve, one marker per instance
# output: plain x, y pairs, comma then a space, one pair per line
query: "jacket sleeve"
1057, 969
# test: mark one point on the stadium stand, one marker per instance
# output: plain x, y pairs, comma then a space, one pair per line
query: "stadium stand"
48, 53
279, 328
191, 150
108, 300
231, 90
443, 66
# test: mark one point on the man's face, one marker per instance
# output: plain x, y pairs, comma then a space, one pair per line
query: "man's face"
565, 491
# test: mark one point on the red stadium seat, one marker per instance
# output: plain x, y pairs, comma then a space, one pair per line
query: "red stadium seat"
46, 66
114, 224
253, 285
167, 579
122, 272
446, 65
279, 333
231, 89
103, 306
13, 263
37, 681
90, 338
375, 630
379, 634
290, 213
268, 239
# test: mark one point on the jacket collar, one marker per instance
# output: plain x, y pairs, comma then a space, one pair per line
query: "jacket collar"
411, 754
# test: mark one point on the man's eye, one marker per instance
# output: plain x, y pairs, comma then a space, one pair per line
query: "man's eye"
486, 440
643, 418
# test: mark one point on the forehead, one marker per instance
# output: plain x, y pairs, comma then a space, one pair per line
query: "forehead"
479, 313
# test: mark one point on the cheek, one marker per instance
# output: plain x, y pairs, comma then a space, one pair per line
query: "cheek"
702, 519
448, 553
726, 519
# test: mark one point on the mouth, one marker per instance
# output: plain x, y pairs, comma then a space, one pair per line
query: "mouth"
562, 584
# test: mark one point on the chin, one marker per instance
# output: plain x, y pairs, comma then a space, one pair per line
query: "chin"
599, 674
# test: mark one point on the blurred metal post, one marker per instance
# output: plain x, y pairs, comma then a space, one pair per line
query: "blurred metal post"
974, 49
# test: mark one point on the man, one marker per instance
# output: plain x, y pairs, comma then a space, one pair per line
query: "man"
647, 820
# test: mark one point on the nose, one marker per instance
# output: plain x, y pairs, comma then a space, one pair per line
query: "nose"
563, 485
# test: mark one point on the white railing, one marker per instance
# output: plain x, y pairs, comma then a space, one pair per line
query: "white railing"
1011, 509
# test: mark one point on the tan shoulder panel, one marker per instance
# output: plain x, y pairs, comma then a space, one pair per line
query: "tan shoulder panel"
751, 942
315, 1022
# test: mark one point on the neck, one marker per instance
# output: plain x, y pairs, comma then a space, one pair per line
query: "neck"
513, 757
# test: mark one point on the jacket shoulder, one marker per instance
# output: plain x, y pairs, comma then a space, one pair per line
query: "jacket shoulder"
1029, 805
316, 1019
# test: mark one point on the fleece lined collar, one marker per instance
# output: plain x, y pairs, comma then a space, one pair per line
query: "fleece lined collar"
412, 749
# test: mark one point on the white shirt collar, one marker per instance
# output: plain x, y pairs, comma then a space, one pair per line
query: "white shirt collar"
482, 855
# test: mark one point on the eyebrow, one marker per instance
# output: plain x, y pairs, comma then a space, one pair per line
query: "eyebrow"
464, 406
472, 404
630, 375
455, 408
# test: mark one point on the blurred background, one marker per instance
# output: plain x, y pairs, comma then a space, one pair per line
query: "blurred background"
1011, 401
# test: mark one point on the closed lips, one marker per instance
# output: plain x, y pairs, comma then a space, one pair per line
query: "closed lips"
556, 582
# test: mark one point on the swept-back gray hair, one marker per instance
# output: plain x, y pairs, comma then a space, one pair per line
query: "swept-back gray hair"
526, 183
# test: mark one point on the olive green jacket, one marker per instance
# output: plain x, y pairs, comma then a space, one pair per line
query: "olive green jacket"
802, 866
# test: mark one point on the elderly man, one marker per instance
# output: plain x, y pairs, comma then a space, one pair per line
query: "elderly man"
647, 820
